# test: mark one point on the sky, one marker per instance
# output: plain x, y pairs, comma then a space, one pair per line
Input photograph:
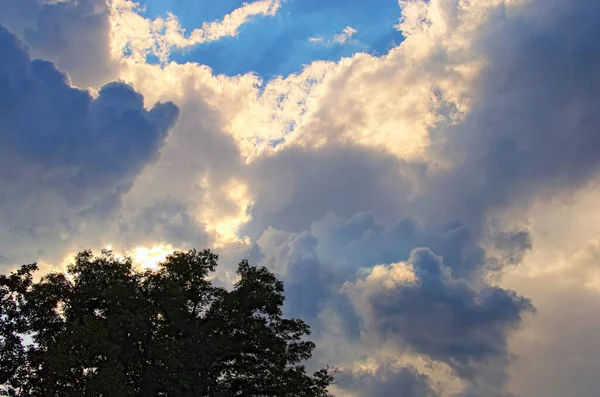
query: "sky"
422, 174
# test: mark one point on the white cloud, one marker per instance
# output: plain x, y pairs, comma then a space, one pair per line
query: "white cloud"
345, 36
340, 38
143, 36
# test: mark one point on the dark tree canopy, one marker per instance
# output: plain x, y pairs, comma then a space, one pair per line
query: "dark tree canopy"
104, 329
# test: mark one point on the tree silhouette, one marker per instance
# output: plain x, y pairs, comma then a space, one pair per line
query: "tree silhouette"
105, 329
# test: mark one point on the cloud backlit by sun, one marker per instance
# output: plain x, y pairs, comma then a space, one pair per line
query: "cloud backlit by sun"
422, 174
150, 257
140, 37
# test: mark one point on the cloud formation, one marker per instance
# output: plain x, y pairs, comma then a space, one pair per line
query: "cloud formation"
75, 35
387, 381
398, 196
66, 153
420, 304
340, 38
142, 37
422, 307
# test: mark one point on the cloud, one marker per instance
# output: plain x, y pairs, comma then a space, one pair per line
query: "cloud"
557, 348
421, 305
443, 316
75, 35
445, 142
198, 182
345, 36
158, 37
481, 157
295, 187
66, 153
443, 133
229, 26
294, 258
89, 38
532, 128
340, 38
562, 276
386, 381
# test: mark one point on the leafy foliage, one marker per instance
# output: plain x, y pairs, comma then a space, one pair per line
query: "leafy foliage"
104, 329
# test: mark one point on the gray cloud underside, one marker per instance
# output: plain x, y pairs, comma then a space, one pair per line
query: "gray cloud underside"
73, 34
67, 156
388, 381
441, 317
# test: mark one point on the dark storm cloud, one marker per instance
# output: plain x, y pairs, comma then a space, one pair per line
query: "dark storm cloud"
64, 153
445, 318
387, 381
315, 264
308, 284
513, 245
534, 127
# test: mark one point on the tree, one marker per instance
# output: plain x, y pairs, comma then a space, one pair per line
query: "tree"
104, 329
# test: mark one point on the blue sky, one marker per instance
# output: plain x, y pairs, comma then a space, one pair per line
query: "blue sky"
280, 45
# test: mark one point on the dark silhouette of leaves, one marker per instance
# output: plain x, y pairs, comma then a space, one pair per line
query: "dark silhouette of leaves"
105, 329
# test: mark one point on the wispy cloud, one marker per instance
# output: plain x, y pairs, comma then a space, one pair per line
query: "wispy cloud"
159, 36
341, 38
227, 27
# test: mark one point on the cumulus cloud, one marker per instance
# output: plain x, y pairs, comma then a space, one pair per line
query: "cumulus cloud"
386, 381
420, 304
487, 153
293, 257
196, 193
64, 152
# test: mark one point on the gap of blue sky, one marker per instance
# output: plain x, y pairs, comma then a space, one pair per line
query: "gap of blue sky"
280, 45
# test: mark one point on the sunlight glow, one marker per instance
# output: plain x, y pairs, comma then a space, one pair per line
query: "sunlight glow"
225, 213
149, 258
